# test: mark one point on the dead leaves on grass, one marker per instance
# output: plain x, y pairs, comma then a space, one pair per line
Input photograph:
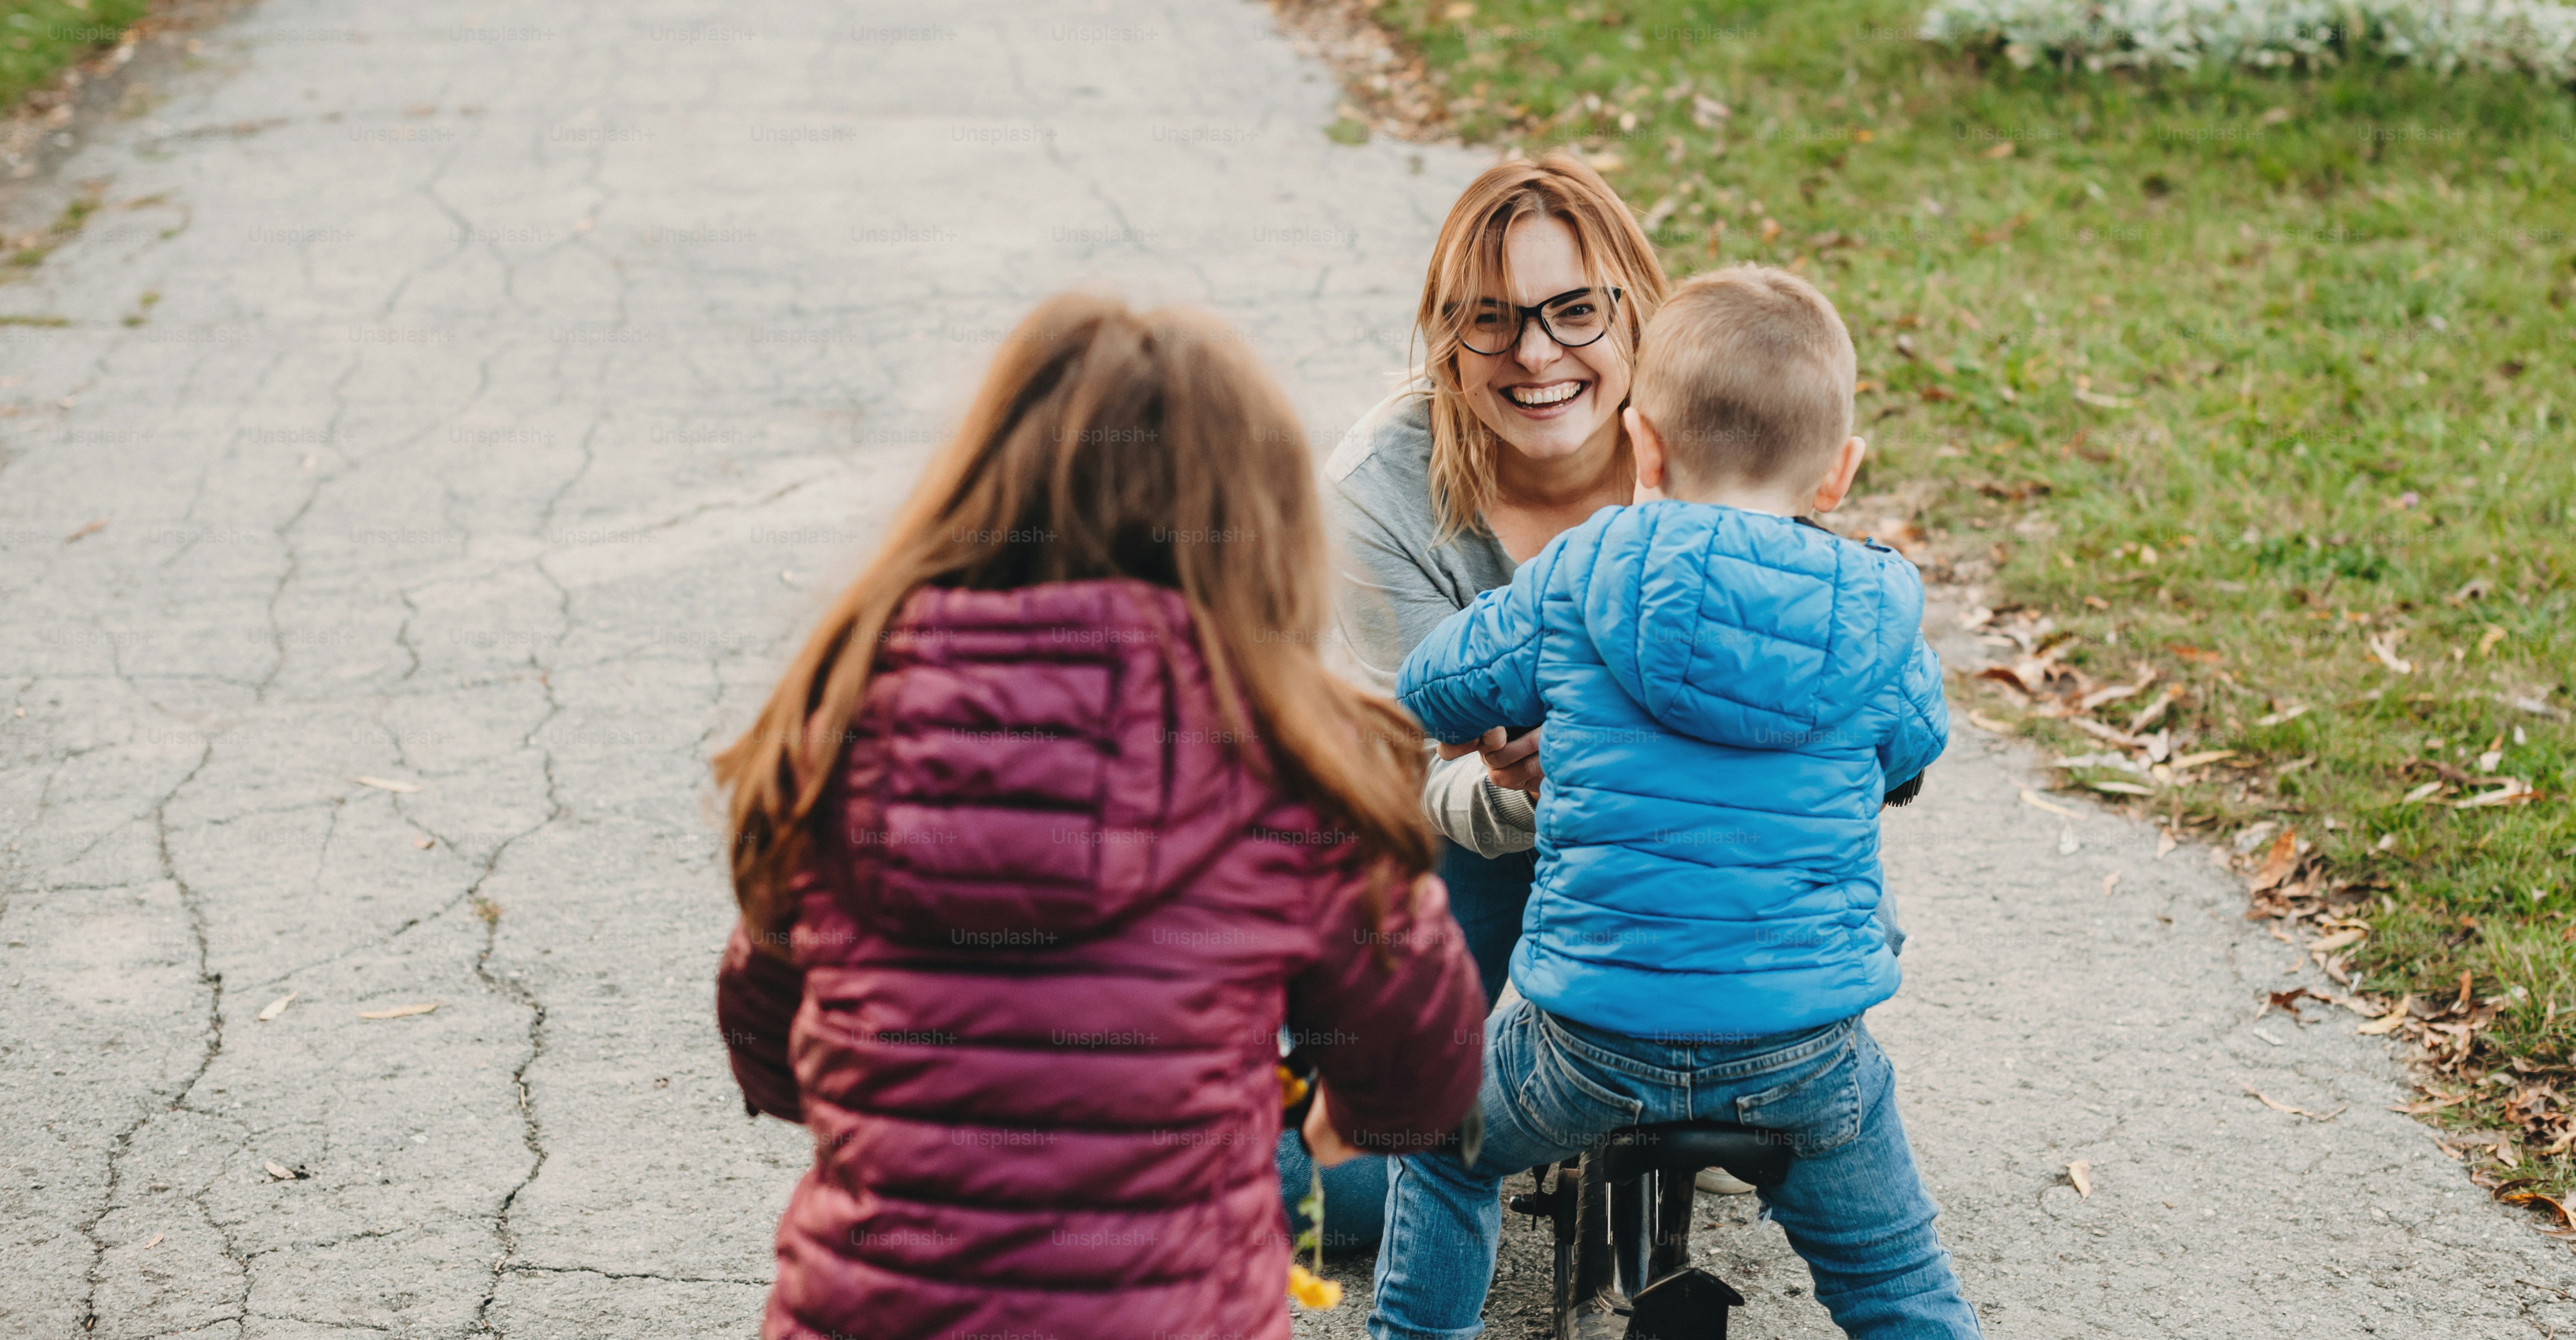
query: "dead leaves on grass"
2037, 680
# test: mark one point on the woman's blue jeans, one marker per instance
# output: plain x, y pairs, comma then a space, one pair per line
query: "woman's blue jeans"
1852, 1205
1486, 897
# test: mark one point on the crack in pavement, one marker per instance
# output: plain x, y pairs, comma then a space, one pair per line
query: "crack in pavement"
212, 983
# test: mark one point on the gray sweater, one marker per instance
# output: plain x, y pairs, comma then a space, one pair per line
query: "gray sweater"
1398, 586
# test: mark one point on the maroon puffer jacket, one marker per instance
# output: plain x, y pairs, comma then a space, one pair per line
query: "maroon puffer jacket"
1041, 961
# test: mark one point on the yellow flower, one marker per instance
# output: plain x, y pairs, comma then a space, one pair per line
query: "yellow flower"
1292, 1089
1308, 1290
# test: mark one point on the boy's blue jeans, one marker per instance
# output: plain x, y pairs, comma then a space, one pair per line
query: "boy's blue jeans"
1853, 1204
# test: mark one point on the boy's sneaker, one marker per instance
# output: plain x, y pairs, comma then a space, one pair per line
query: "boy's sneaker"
1720, 1182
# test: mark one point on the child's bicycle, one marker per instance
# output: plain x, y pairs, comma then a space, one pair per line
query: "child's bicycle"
1621, 1211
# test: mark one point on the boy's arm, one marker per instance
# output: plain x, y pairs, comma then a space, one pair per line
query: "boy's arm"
1922, 719
1479, 668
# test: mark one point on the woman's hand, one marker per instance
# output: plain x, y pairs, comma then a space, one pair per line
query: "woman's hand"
1322, 1141
1511, 764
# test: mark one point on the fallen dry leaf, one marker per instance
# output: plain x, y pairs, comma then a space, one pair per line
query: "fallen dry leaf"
2066, 843
2291, 713
2515, 791
156, 1240
281, 1172
275, 1007
2388, 1023
2020, 675
2278, 1106
2112, 694
2566, 1220
2419, 793
2279, 862
92, 528
2205, 756
423, 843
2032, 799
2079, 1175
2109, 882
2328, 944
2165, 843
2383, 649
387, 784
2430, 1105
2102, 730
2285, 1001
399, 1011
2153, 712
2122, 788
1983, 722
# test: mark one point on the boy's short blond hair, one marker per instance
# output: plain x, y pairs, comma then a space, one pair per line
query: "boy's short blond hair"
1746, 375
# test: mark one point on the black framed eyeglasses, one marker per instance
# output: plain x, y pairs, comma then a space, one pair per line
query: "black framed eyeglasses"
1573, 319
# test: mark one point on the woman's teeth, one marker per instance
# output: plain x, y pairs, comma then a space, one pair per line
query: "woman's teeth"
1536, 396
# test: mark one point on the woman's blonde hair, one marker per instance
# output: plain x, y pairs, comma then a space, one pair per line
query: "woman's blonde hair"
1468, 262
1104, 443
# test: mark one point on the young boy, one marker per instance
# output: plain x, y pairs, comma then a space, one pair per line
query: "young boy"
1728, 694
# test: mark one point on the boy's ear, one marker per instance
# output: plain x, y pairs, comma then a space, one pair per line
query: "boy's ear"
1837, 482
1649, 452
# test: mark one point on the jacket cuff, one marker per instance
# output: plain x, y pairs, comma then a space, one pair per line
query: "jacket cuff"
757, 997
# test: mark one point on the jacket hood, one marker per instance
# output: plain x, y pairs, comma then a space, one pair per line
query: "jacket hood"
1746, 629
1037, 764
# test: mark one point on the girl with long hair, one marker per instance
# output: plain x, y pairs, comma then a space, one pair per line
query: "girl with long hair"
1053, 823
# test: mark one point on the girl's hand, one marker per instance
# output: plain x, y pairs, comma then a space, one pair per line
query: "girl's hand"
1322, 1141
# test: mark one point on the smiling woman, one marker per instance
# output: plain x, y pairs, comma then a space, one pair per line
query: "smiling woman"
1537, 287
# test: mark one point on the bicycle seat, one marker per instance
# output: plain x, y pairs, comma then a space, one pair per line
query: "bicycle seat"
1685, 1147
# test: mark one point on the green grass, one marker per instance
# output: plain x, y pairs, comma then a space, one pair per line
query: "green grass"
40, 37
2324, 325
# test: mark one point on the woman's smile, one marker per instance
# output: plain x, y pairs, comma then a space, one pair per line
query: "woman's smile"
1545, 400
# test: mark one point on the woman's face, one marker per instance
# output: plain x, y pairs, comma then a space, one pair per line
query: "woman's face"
1546, 400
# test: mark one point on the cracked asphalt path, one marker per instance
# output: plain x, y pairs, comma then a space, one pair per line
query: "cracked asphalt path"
515, 383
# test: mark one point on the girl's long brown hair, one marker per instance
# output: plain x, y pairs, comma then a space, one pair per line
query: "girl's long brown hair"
1467, 262
1104, 443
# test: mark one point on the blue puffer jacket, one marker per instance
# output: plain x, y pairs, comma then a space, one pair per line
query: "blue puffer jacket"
1727, 696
